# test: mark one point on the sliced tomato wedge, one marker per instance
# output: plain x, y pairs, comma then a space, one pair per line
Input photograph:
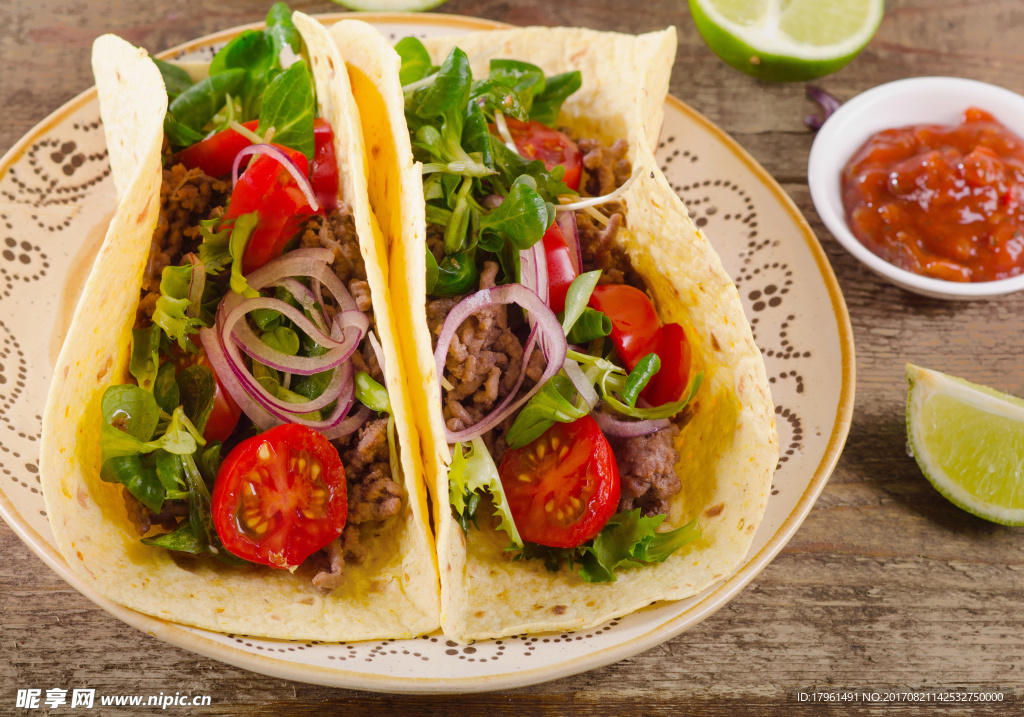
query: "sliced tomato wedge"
560, 269
216, 155
280, 496
269, 189
538, 141
635, 322
225, 414
563, 487
325, 166
672, 378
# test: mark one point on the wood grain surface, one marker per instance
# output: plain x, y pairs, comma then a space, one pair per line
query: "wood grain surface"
885, 584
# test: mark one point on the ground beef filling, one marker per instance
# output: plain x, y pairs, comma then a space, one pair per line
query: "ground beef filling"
372, 496
484, 359
486, 354
647, 473
188, 196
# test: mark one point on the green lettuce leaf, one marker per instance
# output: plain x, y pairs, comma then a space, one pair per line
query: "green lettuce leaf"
172, 307
470, 475
629, 540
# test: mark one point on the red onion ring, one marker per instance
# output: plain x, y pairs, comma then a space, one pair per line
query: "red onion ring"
377, 350
335, 426
300, 262
340, 383
567, 224
828, 103
353, 325
285, 161
306, 300
628, 429
533, 271
546, 329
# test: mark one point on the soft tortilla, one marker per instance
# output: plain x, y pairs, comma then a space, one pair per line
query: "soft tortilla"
728, 450
394, 593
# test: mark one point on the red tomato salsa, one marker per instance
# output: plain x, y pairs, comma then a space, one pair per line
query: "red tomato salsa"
941, 201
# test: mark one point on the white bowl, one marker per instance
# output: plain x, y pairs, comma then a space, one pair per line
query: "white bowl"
919, 100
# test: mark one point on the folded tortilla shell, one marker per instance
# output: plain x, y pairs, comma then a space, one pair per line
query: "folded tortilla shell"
729, 448
394, 593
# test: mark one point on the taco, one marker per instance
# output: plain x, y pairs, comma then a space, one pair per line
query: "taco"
227, 442
595, 416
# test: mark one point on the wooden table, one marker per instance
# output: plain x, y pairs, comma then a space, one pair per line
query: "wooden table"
885, 584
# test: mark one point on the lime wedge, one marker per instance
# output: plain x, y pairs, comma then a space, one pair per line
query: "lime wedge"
787, 40
390, 5
969, 442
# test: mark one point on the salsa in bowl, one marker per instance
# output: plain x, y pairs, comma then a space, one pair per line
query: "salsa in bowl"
930, 200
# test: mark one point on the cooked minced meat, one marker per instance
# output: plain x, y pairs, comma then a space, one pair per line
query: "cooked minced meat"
484, 358
372, 494
338, 232
604, 168
647, 470
346, 548
187, 196
599, 250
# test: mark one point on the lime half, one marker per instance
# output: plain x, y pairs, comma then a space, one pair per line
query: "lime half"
787, 40
390, 5
969, 442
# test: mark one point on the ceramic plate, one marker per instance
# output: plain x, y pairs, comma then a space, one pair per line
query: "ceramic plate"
56, 198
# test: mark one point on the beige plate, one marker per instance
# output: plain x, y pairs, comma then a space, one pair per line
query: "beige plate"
56, 198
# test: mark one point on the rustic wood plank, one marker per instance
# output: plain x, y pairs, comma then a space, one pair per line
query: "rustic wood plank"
885, 584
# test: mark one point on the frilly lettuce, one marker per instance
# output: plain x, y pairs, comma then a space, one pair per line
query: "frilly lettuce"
470, 475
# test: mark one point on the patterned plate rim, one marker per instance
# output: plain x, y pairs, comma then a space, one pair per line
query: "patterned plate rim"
180, 636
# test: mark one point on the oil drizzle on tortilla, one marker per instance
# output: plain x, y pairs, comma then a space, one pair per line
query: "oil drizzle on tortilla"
74, 283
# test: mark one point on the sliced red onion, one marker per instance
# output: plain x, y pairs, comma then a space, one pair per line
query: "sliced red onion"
285, 161
301, 262
350, 424
306, 300
628, 429
348, 329
314, 263
583, 385
546, 330
338, 424
829, 104
378, 351
567, 224
226, 375
340, 383
195, 288
533, 271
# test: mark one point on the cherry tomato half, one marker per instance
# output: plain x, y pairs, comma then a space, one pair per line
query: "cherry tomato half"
671, 380
225, 414
635, 323
538, 141
269, 189
216, 155
325, 166
280, 496
563, 487
560, 269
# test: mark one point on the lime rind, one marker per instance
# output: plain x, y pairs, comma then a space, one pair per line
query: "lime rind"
968, 441
761, 49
